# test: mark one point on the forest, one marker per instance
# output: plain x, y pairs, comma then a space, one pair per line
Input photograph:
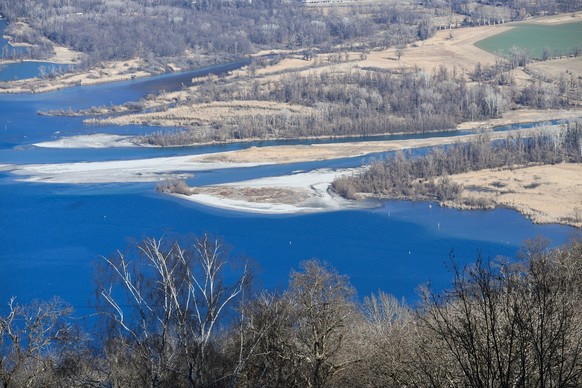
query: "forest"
205, 30
186, 314
425, 177
209, 31
359, 102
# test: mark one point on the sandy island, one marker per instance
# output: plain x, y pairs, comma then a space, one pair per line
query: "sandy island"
290, 194
543, 193
98, 140
546, 194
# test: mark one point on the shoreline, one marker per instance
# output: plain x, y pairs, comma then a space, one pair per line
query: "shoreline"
425, 54
304, 192
529, 116
68, 80
300, 193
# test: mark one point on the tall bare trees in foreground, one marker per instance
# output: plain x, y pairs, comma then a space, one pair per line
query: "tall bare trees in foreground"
166, 306
31, 337
513, 324
177, 317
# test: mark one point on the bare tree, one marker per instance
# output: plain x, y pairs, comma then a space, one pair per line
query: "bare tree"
513, 323
264, 345
324, 306
29, 339
550, 314
390, 335
174, 300
479, 325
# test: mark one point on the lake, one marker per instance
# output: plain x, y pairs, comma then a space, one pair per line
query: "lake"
54, 234
26, 69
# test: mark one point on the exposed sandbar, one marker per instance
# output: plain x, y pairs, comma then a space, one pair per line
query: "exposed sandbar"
290, 194
119, 171
98, 140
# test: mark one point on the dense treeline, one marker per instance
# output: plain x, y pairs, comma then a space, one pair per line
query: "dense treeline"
172, 316
355, 103
405, 176
501, 11
107, 30
363, 102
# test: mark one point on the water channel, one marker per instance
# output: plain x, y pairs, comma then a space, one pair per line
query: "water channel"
52, 235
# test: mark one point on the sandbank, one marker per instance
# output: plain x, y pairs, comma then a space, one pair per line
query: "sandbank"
154, 169
296, 193
98, 140
290, 194
119, 171
314, 152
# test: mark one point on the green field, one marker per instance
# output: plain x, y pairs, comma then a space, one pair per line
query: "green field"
560, 39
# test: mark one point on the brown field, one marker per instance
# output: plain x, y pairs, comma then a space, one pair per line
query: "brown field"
205, 114
546, 194
449, 48
557, 67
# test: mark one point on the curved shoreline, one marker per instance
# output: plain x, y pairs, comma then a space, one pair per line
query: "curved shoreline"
303, 192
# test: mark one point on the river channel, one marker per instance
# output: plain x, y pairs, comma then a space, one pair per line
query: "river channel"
52, 235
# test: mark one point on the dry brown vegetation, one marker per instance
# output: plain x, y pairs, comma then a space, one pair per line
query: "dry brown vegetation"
526, 174
226, 109
186, 315
254, 194
546, 194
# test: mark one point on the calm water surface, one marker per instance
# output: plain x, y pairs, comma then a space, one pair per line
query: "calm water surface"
53, 235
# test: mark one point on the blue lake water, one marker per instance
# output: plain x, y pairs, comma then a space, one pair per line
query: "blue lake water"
22, 70
29, 69
53, 235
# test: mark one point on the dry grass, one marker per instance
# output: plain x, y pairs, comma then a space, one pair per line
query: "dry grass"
450, 48
206, 114
557, 67
273, 195
546, 194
